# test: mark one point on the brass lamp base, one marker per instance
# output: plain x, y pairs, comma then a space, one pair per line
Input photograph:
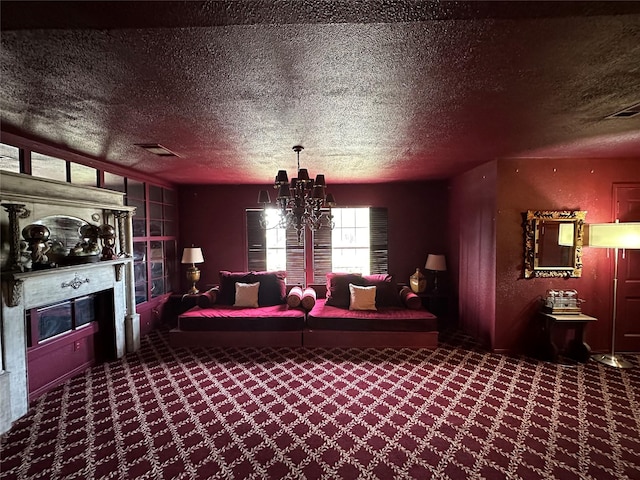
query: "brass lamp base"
193, 275
611, 360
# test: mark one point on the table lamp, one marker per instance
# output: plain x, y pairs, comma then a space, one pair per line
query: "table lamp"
435, 263
193, 255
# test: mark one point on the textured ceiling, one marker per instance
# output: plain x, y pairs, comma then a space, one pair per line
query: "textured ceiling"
374, 90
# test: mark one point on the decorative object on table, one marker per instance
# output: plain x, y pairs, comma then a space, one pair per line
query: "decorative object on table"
418, 282
562, 301
435, 263
37, 236
299, 202
108, 236
193, 255
618, 236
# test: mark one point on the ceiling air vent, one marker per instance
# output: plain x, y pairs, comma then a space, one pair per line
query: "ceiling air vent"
628, 112
157, 149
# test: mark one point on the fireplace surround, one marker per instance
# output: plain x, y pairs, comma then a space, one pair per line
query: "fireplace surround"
25, 200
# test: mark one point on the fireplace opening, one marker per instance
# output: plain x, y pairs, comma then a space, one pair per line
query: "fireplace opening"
65, 338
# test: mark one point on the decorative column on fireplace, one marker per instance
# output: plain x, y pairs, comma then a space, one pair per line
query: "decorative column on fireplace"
28, 200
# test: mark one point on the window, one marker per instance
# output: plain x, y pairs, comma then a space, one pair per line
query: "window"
114, 182
9, 158
83, 175
276, 243
154, 251
350, 244
358, 243
44, 166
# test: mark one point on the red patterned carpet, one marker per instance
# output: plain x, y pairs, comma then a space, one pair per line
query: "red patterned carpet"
452, 413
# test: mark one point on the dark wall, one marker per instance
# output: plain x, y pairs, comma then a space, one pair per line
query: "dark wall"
213, 217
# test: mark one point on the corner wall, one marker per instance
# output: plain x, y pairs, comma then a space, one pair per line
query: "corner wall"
473, 230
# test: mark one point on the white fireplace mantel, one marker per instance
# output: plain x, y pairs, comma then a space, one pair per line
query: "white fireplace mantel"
26, 199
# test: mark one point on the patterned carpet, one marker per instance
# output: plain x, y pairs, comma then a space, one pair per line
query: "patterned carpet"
453, 413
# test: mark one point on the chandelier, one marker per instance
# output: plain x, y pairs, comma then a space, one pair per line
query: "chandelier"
300, 202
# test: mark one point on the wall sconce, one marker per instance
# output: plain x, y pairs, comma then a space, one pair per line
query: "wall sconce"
436, 263
193, 255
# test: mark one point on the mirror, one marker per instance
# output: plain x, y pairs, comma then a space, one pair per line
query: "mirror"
553, 243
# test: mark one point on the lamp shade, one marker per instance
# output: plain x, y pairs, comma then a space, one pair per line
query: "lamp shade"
192, 255
436, 263
613, 235
263, 197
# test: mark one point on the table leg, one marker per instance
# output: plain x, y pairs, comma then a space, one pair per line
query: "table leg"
577, 348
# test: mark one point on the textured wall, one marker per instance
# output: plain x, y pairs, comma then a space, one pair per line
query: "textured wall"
548, 184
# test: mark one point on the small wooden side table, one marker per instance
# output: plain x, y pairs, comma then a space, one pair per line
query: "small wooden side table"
577, 349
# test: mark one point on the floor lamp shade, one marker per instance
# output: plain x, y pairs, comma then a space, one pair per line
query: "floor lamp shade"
619, 236
613, 235
193, 255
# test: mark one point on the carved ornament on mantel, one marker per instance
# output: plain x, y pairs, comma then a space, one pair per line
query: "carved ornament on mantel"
14, 280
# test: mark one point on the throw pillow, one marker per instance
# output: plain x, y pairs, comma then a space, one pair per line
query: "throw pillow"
273, 289
410, 299
308, 298
247, 294
295, 297
227, 293
387, 290
208, 298
362, 298
338, 294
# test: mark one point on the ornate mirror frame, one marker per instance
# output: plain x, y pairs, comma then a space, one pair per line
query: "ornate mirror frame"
532, 222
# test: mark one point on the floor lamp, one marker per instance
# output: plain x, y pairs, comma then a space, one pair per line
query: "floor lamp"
618, 236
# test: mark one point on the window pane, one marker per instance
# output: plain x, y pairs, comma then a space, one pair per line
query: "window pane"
276, 239
155, 210
54, 320
157, 270
114, 182
169, 196
157, 250
9, 158
141, 293
135, 189
350, 240
139, 251
83, 175
44, 166
155, 193
157, 287
85, 311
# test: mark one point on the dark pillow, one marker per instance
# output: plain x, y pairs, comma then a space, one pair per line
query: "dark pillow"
386, 290
273, 289
208, 298
228, 280
338, 294
410, 299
